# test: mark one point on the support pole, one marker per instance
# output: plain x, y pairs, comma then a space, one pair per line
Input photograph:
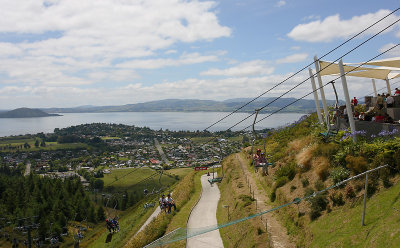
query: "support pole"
321, 121
388, 86
322, 92
373, 85
347, 98
365, 199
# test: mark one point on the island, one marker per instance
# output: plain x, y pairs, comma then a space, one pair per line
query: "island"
25, 113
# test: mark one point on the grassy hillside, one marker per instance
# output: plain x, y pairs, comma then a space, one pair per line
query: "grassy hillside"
304, 163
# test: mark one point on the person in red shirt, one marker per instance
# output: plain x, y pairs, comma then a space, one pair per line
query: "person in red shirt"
354, 101
397, 92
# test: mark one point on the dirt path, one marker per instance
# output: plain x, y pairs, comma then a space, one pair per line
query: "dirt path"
205, 214
278, 233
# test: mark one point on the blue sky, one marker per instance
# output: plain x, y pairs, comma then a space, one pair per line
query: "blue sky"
66, 53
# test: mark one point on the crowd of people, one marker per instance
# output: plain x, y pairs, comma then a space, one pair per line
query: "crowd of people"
166, 203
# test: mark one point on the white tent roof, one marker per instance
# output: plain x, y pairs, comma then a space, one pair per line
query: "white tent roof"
327, 68
391, 62
371, 73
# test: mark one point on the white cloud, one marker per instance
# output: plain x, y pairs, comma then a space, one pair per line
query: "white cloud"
254, 67
395, 52
333, 27
295, 48
72, 39
171, 51
294, 58
280, 3
184, 59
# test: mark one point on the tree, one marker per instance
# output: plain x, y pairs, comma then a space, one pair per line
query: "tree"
36, 143
100, 214
26, 145
43, 143
99, 184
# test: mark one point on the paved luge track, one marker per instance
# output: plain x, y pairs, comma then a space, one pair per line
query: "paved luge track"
205, 214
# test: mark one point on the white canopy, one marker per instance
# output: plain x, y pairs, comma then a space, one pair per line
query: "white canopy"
391, 62
329, 68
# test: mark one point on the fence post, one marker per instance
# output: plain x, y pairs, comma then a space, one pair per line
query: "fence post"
365, 199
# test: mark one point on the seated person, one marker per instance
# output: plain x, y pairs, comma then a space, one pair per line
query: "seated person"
262, 159
171, 203
163, 203
361, 116
257, 155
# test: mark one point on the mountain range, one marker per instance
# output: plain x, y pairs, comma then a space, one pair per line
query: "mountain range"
188, 105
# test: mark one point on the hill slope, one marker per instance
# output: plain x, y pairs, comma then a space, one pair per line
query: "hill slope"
176, 105
25, 113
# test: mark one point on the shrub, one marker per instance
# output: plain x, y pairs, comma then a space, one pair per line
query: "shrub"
305, 182
350, 192
321, 165
308, 192
318, 204
337, 198
326, 150
247, 200
319, 185
272, 197
339, 174
304, 157
259, 231
288, 170
281, 181
292, 188
356, 164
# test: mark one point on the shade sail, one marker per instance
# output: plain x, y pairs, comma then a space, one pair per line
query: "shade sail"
391, 62
327, 68
371, 73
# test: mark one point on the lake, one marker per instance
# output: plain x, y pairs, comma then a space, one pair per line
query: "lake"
190, 121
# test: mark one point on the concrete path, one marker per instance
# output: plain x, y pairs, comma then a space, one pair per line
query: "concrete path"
205, 214
152, 216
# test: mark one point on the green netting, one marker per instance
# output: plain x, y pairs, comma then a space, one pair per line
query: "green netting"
185, 233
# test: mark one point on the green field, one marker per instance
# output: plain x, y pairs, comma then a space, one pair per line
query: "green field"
342, 227
31, 142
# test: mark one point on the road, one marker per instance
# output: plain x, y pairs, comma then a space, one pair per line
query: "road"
204, 214
160, 151
156, 212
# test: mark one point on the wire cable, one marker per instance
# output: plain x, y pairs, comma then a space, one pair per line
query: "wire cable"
322, 86
305, 67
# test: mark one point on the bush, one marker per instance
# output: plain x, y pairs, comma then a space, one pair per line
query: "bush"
292, 188
321, 165
308, 192
305, 182
356, 164
288, 170
304, 157
319, 185
339, 174
350, 192
247, 200
318, 204
326, 150
337, 198
272, 197
280, 182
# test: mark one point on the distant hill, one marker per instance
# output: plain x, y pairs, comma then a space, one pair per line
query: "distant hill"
25, 113
191, 105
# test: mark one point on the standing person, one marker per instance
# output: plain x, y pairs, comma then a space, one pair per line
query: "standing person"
380, 101
162, 202
389, 101
397, 92
171, 203
354, 101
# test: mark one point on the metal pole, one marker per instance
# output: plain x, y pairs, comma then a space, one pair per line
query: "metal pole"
29, 238
374, 86
322, 92
321, 120
347, 98
388, 86
365, 199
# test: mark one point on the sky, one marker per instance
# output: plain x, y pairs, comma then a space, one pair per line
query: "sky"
68, 53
